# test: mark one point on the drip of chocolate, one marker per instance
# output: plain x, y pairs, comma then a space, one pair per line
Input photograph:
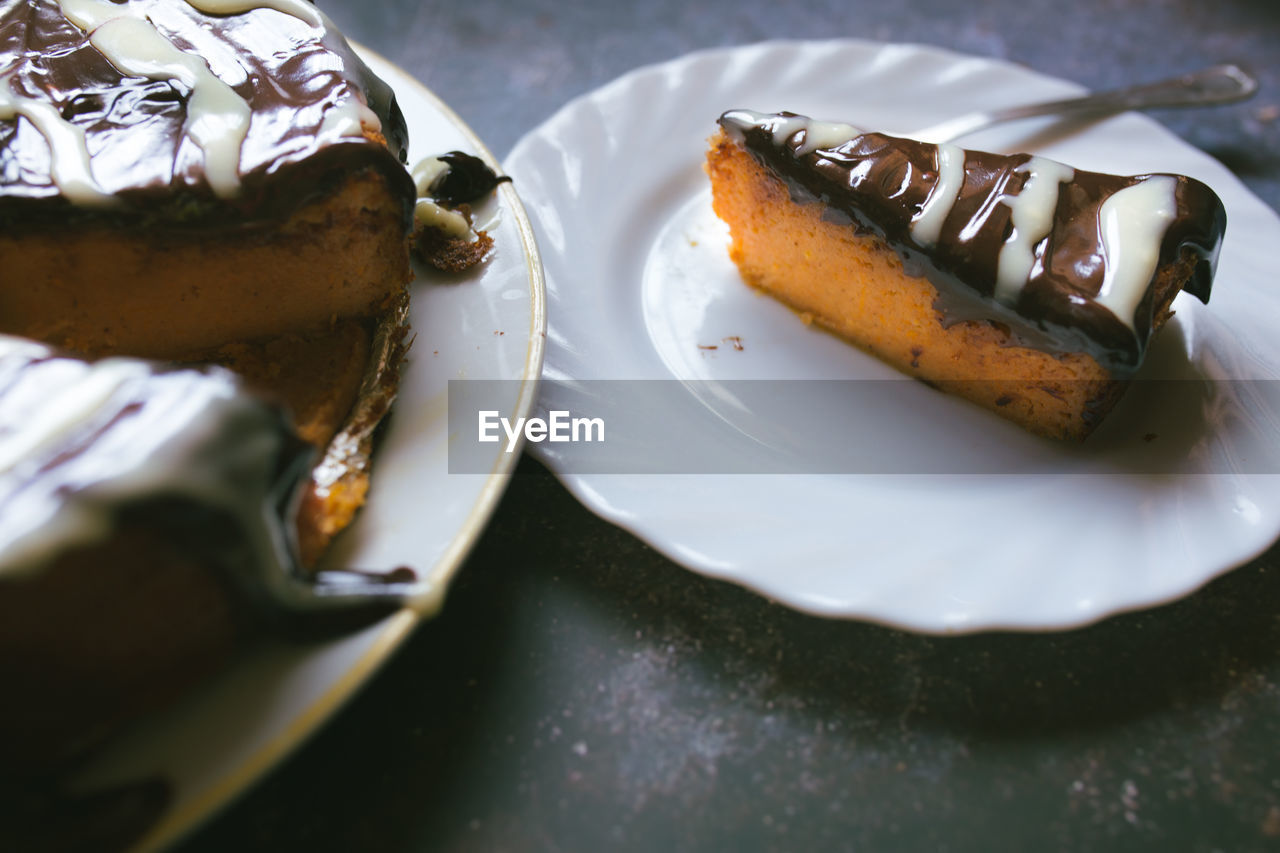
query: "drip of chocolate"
1065, 257
467, 179
90, 121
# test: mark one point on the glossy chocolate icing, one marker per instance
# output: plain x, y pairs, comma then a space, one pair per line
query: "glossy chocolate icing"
880, 184
295, 76
86, 447
467, 179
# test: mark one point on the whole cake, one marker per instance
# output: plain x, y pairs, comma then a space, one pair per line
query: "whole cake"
1020, 283
196, 183
212, 180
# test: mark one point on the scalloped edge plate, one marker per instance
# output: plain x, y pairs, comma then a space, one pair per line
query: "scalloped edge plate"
615, 188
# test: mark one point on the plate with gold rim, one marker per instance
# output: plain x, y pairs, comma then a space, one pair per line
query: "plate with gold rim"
1023, 534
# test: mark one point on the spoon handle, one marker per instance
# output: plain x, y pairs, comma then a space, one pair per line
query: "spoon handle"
1220, 84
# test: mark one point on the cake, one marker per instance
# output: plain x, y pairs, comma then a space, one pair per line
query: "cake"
146, 532
1025, 285
205, 232
177, 175
146, 516
213, 180
222, 181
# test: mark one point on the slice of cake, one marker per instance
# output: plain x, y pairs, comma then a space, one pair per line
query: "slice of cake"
146, 526
1022, 284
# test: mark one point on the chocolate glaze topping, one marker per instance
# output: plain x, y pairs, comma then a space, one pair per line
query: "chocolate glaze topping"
88, 446
467, 179
302, 99
1087, 242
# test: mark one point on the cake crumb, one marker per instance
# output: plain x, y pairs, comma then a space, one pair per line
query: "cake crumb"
451, 254
708, 347
735, 341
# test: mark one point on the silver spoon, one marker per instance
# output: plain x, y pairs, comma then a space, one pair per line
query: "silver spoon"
1221, 84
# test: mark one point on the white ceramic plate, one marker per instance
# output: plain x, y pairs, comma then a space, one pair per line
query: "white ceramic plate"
638, 278
237, 726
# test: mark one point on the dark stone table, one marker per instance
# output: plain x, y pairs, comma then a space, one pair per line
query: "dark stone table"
581, 692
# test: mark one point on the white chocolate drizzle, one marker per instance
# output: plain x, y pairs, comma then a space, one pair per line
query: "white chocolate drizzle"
826, 135
817, 134
428, 213
78, 438
926, 227
349, 117
217, 118
1032, 216
299, 9
62, 411
1132, 223
779, 127
426, 173
69, 166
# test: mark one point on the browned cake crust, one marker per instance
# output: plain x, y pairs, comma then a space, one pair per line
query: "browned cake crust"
853, 283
